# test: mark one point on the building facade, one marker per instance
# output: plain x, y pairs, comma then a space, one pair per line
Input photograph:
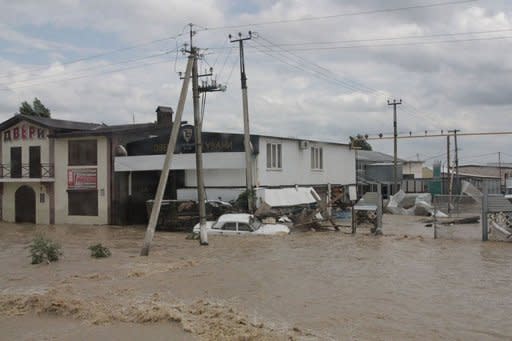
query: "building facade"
64, 172
47, 180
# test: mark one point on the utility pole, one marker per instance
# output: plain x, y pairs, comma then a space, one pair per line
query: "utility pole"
155, 210
245, 106
499, 167
203, 235
395, 147
448, 173
448, 156
457, 184
198, 124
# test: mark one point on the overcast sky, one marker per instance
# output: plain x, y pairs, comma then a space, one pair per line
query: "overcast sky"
326, 77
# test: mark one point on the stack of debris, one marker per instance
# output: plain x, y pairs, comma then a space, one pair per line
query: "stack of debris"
418, 204
301, 206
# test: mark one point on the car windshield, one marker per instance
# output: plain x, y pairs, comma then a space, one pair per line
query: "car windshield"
255, 223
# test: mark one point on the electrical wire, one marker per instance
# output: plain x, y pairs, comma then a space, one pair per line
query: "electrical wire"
340, 15
92, 68
126, 48
86, 76
327, 75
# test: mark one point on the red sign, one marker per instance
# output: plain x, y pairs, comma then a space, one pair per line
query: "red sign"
82, 178
24, 132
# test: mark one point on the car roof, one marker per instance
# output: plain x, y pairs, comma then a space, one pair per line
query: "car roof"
240, 217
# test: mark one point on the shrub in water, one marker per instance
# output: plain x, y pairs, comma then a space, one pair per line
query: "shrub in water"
43, 249
99, 251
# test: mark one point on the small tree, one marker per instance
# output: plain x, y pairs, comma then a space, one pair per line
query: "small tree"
26, 109
40, 109
36, 109
360, 142
43, 249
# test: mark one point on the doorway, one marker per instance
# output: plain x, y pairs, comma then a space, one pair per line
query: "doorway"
25, 205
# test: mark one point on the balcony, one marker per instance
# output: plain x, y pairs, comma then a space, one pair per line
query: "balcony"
27, 172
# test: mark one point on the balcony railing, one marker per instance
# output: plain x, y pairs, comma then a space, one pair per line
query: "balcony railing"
25, 170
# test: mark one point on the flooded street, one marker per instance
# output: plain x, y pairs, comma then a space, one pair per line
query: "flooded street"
307, 285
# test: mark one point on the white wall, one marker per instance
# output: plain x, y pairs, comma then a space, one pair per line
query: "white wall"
217, 178
61, 183
414, 168
226, 194
338, 165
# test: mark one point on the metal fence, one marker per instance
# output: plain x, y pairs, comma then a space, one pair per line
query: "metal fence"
457, 217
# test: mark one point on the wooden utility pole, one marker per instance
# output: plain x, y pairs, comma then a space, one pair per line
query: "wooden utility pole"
247, 136
155, 211
395, 146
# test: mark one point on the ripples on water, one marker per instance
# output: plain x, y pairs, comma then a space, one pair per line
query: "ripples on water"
335, 284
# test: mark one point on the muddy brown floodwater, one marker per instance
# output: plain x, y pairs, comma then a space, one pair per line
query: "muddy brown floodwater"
305, 286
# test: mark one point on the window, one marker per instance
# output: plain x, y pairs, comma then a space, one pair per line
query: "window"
244, 227
83, 203
16, 162
317, 158
274, 156
83, 153
229, 226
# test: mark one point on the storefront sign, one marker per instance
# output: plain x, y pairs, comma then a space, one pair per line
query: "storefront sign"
24, 132
212, 143
82, 178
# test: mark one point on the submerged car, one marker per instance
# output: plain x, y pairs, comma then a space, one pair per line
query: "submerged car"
242, 223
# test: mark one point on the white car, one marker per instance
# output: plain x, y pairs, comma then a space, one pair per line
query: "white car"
242, 223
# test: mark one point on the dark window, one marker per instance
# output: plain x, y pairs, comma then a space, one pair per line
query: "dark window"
35, 161
15, 162
229, 226
83, 203
83, 153
244, 227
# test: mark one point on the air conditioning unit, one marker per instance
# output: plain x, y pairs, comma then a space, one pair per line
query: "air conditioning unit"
303, 144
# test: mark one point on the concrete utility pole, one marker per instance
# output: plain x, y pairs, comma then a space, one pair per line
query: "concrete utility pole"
198, 130
448, 173
203, 235
155, 211
448, 156
457, 184
499, 167
247, 136
395, 147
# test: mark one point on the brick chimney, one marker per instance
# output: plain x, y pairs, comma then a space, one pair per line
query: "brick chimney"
164, 116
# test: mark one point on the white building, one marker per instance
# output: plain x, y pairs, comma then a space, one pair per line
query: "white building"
277, 162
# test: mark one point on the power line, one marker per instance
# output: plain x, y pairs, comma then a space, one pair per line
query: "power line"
126, 48
88, 75
399, 44
375, 11
328, 75
435, 35
93, 68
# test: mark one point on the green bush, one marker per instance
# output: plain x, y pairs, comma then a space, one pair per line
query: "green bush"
99, 251
43, 249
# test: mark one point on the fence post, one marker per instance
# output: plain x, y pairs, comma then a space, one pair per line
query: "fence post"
485, 207
354, 218
435, 215
379, 209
